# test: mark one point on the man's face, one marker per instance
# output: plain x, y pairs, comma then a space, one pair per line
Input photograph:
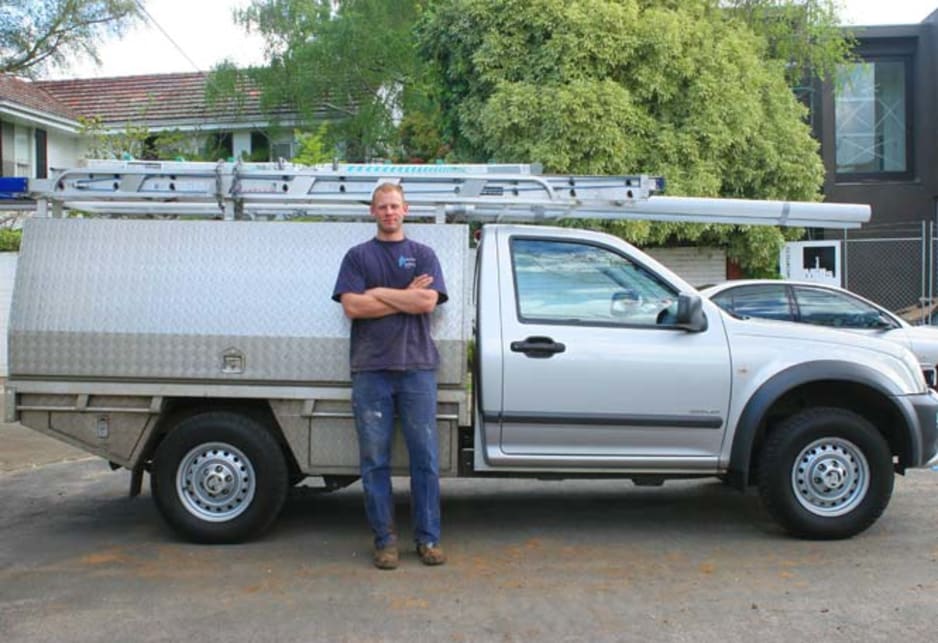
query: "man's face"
388, 209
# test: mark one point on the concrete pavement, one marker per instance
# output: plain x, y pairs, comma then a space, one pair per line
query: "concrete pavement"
22, 448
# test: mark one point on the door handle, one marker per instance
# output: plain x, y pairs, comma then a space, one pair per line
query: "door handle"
538, 347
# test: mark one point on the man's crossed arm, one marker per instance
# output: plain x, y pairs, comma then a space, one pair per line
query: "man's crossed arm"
418, 298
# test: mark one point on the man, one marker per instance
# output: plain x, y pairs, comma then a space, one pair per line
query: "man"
388, 287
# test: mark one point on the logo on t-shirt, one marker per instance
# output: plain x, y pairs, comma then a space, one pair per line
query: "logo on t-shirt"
406, 262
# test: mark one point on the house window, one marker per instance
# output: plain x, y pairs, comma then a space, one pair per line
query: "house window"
42, 154
283, 150
260, 146
150, 151
872, 119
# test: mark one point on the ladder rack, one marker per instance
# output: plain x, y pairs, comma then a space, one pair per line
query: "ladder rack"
503, 193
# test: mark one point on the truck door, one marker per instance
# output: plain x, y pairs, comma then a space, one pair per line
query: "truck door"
592, 374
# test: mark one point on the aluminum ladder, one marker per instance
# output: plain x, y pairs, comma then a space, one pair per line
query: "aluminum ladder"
448, 192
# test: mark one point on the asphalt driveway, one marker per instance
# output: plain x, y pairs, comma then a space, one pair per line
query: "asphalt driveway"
529, 561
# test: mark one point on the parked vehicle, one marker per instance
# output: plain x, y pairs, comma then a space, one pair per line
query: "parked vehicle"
209, 354
920, 314
823, 305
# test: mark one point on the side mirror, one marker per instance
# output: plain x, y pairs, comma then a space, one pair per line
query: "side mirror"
688, 314
624, 303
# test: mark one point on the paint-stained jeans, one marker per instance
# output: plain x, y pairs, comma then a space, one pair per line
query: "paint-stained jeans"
376, 397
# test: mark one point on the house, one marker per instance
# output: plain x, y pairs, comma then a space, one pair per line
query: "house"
52, 124
36, 130
878, 127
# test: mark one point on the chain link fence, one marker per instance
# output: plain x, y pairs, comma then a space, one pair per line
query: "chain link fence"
892, 264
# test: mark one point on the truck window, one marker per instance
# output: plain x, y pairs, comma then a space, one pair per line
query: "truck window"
562, 281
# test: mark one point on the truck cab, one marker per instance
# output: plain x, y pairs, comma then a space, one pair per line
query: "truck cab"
596, 359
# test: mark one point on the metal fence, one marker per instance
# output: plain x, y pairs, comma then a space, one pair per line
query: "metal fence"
892, 264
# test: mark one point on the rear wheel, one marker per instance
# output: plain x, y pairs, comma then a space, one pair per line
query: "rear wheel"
826, 473
219, 477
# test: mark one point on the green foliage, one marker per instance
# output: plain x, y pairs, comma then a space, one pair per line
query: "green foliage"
421, 133
682, 89
36, 35
312, 147
804, 34
10, 239
356, 67
136, 141
103, 145
224, 88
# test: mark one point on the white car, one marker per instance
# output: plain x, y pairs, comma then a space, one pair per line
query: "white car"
822, 305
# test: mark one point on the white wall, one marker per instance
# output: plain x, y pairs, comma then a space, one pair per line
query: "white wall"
23, 147
699, 266
7, 273
63, 150
241, 143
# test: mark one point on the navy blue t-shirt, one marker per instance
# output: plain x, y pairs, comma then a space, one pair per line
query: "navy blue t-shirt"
395, 342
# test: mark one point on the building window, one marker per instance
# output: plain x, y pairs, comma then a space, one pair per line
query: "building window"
260, 146
150, 151
282, 150
42, 153
7, 149
871, 115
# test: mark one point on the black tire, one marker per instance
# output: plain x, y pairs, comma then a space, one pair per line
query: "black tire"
826, 474
219, 477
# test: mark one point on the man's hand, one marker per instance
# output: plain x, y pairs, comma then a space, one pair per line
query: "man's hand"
421, 281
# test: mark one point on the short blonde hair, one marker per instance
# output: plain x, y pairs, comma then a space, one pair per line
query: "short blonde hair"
387, 186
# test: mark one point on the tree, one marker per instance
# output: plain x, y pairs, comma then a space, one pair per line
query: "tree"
138, 142
36, 35
354, 63
804, 34
311, 147
681, 88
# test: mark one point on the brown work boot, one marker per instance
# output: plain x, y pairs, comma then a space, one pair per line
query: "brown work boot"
386, 557
431, 554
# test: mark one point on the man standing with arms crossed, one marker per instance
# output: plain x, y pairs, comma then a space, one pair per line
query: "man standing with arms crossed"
388, 287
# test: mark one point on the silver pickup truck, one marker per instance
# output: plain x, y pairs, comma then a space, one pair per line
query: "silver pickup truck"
209, 355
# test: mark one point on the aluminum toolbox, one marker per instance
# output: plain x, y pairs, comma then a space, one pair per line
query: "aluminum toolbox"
204, 301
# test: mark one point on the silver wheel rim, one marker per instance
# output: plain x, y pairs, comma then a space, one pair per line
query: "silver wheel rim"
215, 482
830, 477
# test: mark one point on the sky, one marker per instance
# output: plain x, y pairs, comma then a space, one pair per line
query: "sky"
205, 34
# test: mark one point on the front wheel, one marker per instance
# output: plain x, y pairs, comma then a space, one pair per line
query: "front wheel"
219, 477
826, 473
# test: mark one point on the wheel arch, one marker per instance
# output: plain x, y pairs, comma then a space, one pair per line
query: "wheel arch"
855, 387
177, 409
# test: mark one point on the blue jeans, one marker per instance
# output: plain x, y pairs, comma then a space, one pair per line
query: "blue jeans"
376, 397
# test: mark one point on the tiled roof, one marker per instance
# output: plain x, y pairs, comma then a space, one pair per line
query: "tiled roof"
31, 95
156, 99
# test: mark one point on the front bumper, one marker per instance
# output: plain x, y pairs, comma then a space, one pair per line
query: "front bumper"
926, 412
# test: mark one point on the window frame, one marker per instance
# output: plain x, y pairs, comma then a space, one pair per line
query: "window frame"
41, 140
576, 322
908, 174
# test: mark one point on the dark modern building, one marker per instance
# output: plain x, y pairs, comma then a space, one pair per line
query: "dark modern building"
878, 127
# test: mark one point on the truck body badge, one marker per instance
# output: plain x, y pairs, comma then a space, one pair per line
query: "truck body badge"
232, 361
